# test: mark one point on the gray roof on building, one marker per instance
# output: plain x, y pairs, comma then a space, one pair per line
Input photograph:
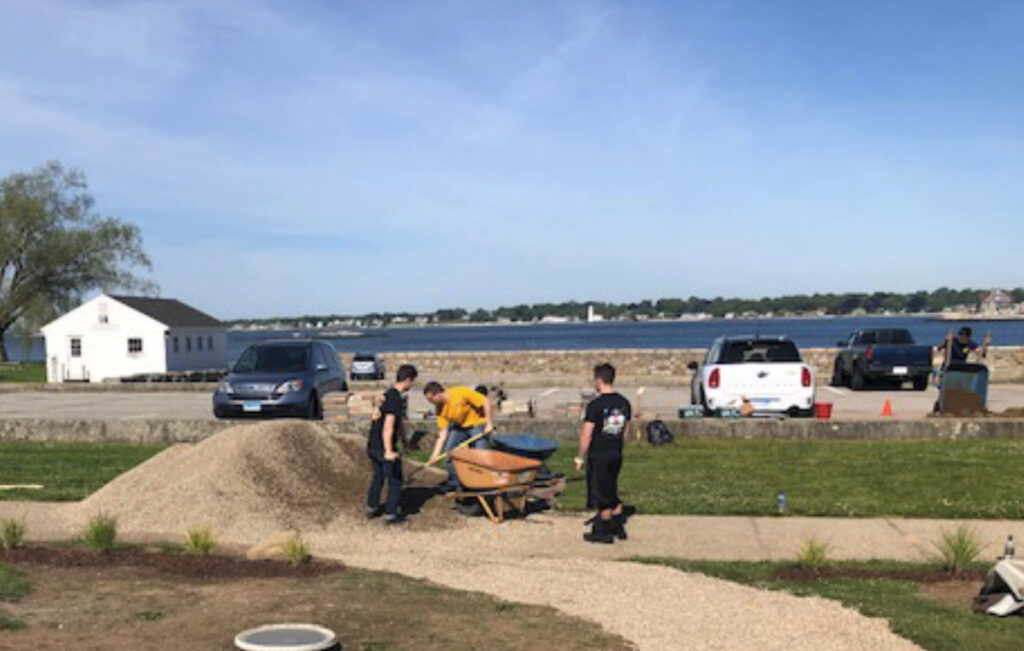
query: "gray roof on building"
169, 311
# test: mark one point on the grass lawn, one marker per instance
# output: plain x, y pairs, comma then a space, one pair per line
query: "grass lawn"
933, 623
13, 586
67, 471
935, 479
26, 372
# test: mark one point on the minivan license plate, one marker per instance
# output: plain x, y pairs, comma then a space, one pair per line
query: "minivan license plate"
251, 406
899, 370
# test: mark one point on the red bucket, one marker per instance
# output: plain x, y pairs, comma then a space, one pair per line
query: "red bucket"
823, 410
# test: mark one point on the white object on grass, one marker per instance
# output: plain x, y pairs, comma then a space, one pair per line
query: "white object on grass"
14, 487
286, 637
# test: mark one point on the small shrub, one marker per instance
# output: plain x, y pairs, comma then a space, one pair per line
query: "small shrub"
296, 551
200, 541
13, 584
12, 532
148, 616
814, 554
9, 623
958, 548
100, 533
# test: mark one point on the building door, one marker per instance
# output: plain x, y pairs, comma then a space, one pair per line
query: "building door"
75, 370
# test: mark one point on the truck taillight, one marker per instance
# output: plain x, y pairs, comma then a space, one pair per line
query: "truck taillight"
715, 379
805, 376
869, 353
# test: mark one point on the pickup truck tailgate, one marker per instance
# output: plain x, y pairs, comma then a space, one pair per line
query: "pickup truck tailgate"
902, 355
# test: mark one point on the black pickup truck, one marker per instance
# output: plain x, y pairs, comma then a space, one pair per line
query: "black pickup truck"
882, 356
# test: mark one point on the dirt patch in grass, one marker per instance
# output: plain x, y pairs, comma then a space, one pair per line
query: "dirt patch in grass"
122, 608
957, 594
214, 566
924, 575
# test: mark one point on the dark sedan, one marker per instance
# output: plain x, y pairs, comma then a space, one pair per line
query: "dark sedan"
281, 378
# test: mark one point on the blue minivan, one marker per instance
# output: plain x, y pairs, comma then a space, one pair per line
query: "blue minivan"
281, 378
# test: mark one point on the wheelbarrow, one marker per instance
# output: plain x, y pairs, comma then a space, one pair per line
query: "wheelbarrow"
525, 445
549, 485
496, 480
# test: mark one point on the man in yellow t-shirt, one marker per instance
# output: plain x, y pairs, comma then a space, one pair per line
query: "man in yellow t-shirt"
462, 413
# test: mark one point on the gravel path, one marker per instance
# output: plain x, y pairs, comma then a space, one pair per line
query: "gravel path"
543, 561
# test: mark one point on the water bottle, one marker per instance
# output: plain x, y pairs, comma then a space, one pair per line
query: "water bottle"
1008, 548
782, 503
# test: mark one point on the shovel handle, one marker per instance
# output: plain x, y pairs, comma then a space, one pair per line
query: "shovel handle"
471, 439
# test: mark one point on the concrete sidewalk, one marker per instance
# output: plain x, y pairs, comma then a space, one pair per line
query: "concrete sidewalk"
691, 537
779, 538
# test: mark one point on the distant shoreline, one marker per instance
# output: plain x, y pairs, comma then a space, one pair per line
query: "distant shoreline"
930, 316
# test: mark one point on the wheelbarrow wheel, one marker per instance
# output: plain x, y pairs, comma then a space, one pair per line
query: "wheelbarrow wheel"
470, 508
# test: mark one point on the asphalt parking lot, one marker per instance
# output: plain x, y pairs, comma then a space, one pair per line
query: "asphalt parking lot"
656, 401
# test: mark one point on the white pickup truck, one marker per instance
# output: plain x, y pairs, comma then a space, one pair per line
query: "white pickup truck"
766, 371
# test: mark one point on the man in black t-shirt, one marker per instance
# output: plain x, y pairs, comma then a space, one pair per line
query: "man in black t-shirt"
382, 447
605, 427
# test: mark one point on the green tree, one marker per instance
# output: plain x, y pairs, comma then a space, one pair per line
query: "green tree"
54, 247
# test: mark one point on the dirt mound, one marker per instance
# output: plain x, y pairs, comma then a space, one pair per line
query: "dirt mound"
250, 479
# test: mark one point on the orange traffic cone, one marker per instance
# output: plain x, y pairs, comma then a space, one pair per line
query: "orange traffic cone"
887, 408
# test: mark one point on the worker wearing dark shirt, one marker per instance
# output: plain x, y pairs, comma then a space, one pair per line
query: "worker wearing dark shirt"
962, 345
605, 427
382, 447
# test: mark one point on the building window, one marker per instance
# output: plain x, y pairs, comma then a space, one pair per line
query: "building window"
199, 343
209, 343
175, 344
188, 344
134, 345
76, 347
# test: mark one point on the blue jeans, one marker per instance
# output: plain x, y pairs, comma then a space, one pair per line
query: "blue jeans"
385, 471
456, 436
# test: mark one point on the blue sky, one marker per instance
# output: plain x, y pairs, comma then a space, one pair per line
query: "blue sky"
286, 157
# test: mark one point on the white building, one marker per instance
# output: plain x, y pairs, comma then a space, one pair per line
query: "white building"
996, 301
111, 337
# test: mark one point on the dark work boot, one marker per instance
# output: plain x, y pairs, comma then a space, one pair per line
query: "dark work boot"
599, 533
619, 527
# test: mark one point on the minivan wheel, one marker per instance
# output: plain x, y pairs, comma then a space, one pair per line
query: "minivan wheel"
314, 409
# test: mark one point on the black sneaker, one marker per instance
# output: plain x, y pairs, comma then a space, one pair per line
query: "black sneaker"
372, 513
599, 533
619, 527
394, 519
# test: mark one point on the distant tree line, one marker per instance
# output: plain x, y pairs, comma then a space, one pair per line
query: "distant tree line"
674, 308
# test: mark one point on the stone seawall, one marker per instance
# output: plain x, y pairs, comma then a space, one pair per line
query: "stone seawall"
653, 365
190, 431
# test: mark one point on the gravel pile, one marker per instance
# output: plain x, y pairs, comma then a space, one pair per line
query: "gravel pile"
246, 481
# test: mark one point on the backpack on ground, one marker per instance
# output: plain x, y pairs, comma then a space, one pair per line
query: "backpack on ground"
658, 433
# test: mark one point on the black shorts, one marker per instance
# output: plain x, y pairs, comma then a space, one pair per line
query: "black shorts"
603, 479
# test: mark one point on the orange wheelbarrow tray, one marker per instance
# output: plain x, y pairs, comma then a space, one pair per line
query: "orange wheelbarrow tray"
507, 478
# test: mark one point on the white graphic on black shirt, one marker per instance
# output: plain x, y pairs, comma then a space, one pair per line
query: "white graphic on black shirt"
614, 423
